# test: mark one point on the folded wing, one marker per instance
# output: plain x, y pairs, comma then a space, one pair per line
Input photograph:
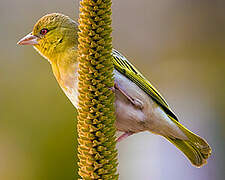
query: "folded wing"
122, 65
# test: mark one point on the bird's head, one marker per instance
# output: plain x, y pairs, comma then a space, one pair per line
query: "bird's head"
52, 35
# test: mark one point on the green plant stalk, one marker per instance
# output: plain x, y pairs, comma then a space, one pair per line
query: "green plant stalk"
96, 114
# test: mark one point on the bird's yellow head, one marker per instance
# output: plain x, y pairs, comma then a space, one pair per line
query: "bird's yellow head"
52, 36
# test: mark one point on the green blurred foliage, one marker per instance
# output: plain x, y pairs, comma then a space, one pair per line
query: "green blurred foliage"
179, 45
37, 123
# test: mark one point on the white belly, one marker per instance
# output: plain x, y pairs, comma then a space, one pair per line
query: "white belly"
128, 117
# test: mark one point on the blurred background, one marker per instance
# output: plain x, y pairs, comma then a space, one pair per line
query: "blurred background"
177, 44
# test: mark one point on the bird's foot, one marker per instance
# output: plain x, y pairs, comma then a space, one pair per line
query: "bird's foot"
136, 102
113, 89
124, 136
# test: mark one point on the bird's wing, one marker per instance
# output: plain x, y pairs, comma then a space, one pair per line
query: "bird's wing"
122, 65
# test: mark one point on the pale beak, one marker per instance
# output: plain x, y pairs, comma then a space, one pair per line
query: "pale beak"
28, 40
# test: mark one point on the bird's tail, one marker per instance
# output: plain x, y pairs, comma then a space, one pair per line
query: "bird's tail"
195, 148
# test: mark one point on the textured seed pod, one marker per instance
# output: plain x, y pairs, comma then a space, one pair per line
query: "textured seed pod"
96, 131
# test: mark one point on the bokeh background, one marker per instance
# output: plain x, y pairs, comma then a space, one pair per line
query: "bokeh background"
178, 44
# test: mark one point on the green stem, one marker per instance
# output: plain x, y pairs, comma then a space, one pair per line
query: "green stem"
96, 113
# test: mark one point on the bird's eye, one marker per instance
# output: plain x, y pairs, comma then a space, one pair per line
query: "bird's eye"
44, 31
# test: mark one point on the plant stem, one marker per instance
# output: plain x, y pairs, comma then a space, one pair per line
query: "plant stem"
96, 114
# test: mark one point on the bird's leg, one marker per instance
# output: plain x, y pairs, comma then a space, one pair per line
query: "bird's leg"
137, 103
124, 136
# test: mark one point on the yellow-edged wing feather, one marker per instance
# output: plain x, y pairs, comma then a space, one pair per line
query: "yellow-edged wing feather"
122, 65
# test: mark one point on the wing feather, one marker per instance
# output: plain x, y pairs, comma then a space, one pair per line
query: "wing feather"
122, 65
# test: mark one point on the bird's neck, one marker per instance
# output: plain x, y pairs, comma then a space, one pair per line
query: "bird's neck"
65, 67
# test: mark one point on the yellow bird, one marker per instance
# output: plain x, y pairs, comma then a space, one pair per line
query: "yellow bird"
139, 106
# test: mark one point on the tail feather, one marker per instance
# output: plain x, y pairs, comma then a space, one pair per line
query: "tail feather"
196, 149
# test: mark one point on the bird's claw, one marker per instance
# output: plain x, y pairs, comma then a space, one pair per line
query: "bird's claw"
113, 89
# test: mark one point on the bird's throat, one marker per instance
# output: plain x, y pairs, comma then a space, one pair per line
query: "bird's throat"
65, 68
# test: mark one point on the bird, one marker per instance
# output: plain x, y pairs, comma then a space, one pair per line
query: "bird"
138, 105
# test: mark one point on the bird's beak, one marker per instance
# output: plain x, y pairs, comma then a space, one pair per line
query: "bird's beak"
28, 40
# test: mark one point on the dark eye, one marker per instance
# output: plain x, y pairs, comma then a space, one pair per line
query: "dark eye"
44, 31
